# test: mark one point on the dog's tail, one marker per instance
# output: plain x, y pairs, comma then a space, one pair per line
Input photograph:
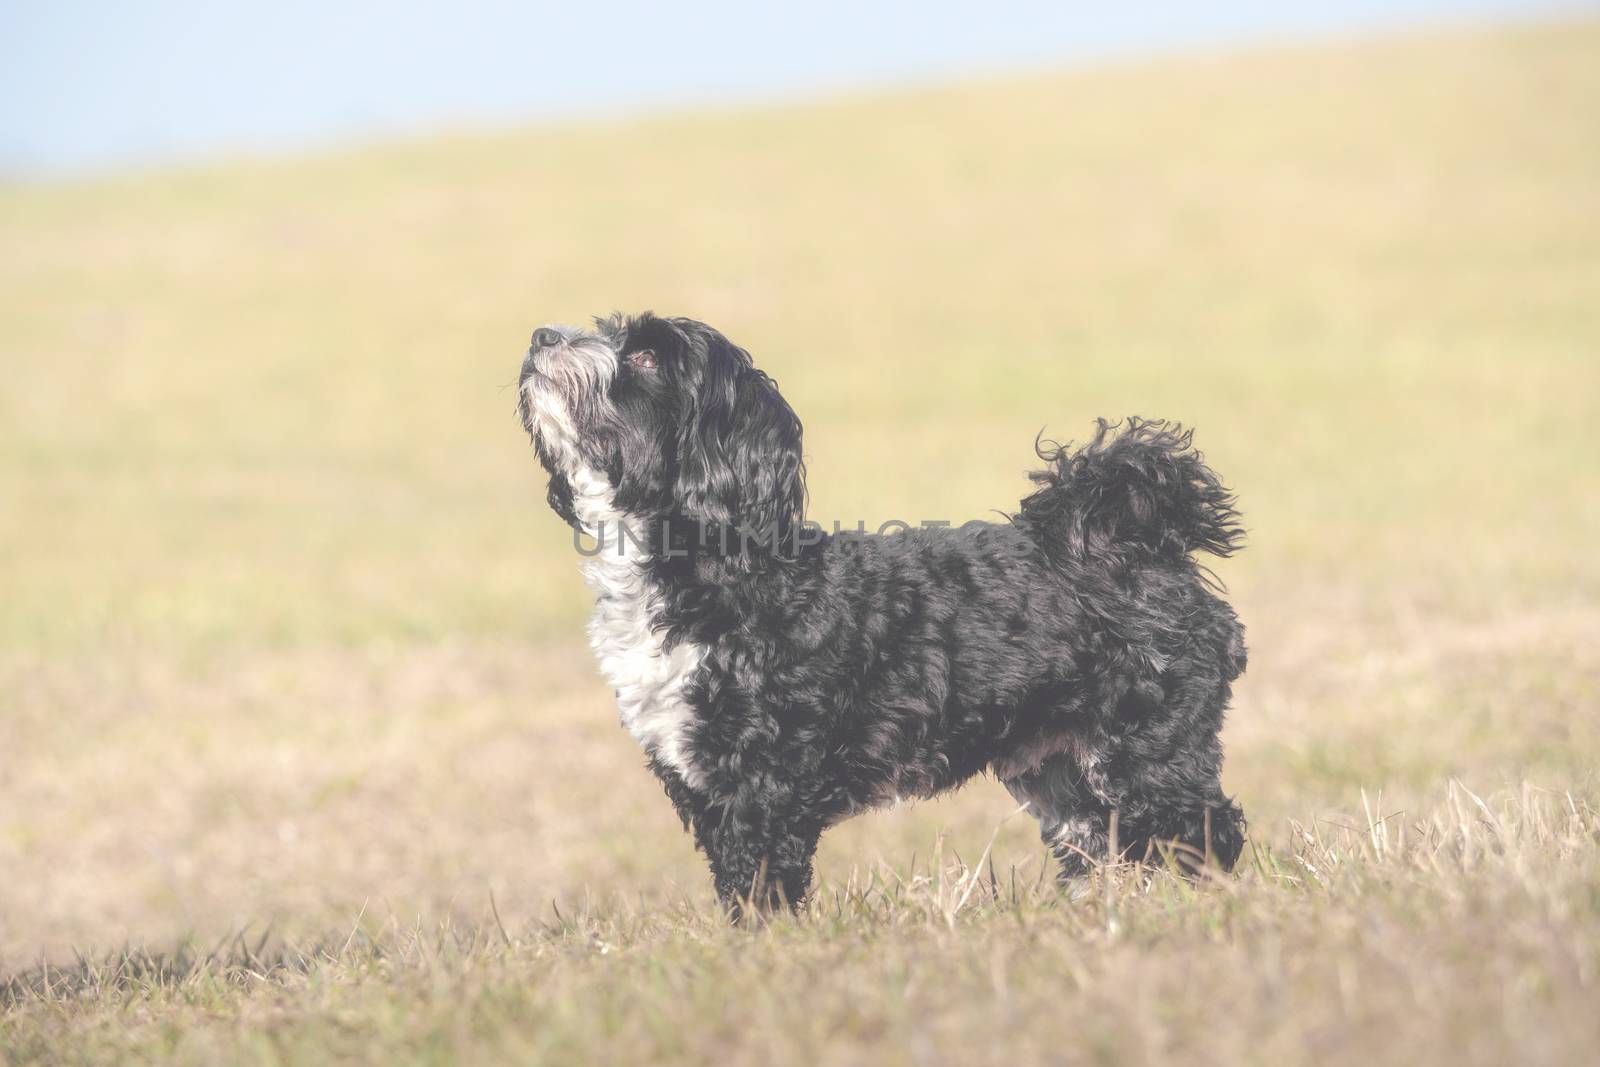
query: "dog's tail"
1135, 487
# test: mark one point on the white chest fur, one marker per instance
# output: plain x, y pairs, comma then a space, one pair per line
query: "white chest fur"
649, 680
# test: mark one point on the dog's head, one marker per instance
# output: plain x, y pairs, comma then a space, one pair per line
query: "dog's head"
668, 418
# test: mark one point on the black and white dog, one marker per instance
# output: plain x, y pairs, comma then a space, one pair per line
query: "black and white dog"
781, 679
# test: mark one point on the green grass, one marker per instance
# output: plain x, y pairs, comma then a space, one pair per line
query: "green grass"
288, 637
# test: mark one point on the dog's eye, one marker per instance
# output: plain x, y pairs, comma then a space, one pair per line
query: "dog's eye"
643, 358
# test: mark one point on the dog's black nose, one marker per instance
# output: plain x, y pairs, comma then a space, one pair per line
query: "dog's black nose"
545, 337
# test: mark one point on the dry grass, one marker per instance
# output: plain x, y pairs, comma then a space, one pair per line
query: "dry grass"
290, 663
1345, 944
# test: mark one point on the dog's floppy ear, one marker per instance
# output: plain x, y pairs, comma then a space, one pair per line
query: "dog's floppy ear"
739, 459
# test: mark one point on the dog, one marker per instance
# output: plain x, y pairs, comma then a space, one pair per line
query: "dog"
781, 678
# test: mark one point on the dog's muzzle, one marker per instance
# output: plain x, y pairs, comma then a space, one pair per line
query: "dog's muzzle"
542, 349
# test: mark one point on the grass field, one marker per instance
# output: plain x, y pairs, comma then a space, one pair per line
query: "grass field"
302, 758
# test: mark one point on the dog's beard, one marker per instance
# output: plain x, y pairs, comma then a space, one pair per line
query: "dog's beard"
565, 401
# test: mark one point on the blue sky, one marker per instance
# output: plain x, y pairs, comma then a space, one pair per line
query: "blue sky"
96, 86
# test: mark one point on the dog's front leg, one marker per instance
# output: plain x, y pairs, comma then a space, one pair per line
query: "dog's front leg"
760, 855
760, 851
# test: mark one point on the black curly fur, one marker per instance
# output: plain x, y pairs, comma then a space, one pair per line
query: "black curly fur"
1134, 486
1076, 652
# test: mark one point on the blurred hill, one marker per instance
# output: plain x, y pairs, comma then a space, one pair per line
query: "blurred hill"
270, 401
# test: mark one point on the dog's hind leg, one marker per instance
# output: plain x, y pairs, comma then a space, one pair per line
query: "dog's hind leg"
1163, 774
1169, 806
1073, 823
